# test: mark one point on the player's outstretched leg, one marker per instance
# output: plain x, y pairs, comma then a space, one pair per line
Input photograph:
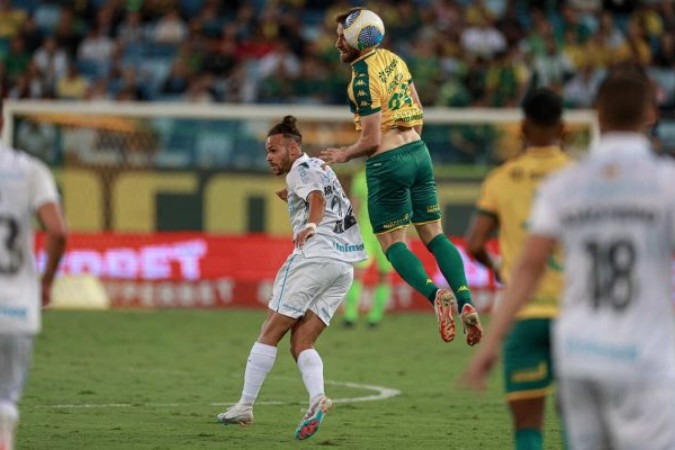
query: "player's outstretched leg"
411, 270
443, 306
450, 262
237, 414
472, 327
311, 422
260, 361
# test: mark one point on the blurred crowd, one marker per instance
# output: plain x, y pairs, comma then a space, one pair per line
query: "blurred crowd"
461, 52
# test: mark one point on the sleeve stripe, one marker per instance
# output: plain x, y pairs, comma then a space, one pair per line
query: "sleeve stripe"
367, 112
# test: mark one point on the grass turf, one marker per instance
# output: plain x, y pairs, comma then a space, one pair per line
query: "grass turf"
156, 380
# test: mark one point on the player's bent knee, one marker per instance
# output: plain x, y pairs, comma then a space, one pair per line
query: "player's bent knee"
428, 231
299, 347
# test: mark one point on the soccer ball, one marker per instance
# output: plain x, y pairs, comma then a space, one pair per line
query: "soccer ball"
363, 28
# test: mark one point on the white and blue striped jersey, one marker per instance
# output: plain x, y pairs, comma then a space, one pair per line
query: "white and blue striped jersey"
614, 214
25, 185
338, 235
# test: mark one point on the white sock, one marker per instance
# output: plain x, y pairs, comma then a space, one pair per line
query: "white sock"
9, 417
260, 362
311, 368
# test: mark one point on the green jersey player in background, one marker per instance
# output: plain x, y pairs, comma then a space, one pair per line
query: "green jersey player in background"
382, 293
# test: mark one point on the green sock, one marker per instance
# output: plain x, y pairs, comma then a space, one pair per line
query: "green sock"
410, 268
450, 262
529, 439
352, 301
380, 300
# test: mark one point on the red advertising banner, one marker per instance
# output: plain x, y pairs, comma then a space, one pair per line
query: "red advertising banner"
196, 270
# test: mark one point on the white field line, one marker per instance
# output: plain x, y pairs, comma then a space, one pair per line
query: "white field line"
381, 393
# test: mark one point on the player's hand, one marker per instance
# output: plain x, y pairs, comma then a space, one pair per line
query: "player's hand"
479, 368
308, 232
334, 155
46, 292
282, 194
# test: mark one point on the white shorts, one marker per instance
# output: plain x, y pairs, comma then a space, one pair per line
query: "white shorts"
315, 284
633, 415
15, 352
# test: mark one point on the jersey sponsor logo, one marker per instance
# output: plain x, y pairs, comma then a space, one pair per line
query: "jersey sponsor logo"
529, 375
384, 74
602, 350
349, 248
595, 214
408, 118
15, 312
405, 220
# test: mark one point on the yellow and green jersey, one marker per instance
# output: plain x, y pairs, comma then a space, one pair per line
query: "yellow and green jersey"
359, 191
381, 82
507, 194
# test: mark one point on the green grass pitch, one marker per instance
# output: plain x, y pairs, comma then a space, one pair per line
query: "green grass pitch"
156, 380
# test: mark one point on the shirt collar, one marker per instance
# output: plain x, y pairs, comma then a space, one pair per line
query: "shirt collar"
623, 143
301, 159
362, 57
543, 150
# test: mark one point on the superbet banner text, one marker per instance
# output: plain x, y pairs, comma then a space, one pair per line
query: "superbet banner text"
186, 270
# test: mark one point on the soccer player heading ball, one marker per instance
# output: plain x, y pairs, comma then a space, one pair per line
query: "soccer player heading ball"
401, 186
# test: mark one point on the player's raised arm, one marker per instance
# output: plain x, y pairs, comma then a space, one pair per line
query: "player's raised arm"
367, 144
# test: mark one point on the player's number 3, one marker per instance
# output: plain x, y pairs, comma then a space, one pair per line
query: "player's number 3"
11, 255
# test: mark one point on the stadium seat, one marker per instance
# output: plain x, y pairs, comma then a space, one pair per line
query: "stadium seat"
178, 150
93, 70
46, 17
152, 73
160, 51
27, 5
190, 8
213, 149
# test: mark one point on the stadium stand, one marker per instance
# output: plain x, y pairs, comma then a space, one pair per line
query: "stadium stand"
463, 53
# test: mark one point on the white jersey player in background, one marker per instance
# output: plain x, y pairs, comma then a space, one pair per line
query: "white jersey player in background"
311, 283
27, 189
614, 343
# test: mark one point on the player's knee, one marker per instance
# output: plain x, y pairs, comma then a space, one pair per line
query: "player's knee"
429, 231
299, 344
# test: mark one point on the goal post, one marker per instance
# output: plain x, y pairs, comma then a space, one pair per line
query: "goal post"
173, 204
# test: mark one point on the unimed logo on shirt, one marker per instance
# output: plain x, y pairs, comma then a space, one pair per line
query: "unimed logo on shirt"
15, 312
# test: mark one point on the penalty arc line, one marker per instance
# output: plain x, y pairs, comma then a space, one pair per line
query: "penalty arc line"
382, 393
